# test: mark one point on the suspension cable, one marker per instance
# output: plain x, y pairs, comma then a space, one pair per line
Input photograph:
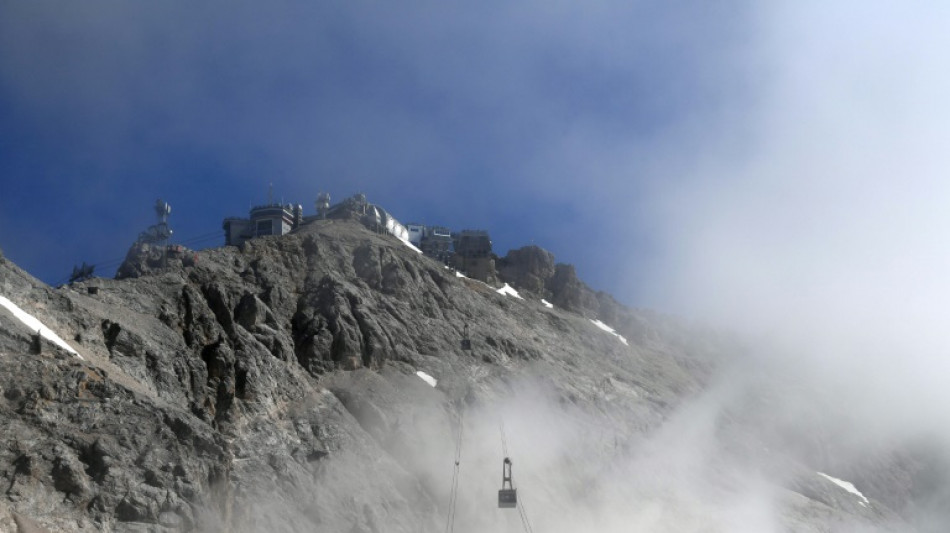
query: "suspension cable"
504, 441
111, 263
205, 237
522, 513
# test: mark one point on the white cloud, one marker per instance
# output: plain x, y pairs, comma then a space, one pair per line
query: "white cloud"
819, 220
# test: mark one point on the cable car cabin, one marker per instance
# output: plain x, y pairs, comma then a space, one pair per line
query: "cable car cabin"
508, 495
508, 498
466, 342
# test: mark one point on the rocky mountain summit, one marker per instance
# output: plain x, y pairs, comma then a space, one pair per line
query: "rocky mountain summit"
318, 381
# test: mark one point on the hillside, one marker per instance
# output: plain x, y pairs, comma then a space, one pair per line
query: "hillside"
276, 387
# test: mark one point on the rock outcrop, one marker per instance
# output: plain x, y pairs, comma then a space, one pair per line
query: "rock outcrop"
529, 269
533, 270
145, 259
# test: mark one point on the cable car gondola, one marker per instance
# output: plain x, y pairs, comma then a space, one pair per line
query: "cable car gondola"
508, 495
466, 342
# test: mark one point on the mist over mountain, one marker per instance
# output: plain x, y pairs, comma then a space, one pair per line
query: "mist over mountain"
320, 381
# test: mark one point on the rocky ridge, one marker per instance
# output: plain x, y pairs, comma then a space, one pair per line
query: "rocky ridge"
274, 387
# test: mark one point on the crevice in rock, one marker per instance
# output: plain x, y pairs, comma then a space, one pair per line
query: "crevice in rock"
367, 346
217, 302
97, 461
110, 332
188, 316
240, 381
208, 355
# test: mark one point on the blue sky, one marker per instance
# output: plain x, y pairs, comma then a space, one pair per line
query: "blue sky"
538, 121
733, 160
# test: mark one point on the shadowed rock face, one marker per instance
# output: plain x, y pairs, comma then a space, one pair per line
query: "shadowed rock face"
273, 388
528, 268
533, 270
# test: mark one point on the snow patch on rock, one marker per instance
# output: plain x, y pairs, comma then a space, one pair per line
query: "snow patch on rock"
508, 290
409, 244
547, 304
610, 330
34, 324
848, 486
427, 378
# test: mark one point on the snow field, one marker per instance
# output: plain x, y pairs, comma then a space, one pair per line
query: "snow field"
409, 244
508, 290
427, 378
34, 325
848, 486
610, 330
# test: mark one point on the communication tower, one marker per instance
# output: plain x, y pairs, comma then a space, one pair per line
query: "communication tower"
323, 204
159, 233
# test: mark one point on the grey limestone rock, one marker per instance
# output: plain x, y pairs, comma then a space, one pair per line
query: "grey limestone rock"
274, 387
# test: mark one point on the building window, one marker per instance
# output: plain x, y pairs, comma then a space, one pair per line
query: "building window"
265, 227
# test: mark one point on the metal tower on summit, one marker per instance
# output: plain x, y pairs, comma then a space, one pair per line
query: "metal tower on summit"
323, 204
158, 233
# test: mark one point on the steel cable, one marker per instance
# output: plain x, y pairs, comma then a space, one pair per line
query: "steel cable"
453, 497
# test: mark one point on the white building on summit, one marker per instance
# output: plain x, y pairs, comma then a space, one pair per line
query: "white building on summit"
270, 219
280, 219
434, 241
469, 251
